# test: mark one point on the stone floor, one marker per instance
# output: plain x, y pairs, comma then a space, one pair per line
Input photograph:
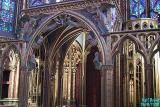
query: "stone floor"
6, 106
69, 106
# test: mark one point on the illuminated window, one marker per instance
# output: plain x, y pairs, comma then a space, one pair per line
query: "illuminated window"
155, 9
7, 9
35, 2
137, 9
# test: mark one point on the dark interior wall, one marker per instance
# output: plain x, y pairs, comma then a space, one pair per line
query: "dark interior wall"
93, 81
78, 84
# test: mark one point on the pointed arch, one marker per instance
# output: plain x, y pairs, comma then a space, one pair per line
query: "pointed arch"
139, 46
76, 15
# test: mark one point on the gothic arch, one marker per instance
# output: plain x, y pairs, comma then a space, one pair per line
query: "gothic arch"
78, 16
137, 43
155, 42
153, 53
59, 42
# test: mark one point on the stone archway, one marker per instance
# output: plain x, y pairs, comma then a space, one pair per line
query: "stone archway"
78, 16
64, 39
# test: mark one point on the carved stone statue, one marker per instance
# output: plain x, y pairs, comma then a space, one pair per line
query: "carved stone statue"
107, 18
28, 27
97, 62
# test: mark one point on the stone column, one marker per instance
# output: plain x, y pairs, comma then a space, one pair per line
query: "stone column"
108, 86
24, 3
107, 73
60, 81
83, 84
23, 78
46, 85
17, 79
116, 78
149, 81
23, 87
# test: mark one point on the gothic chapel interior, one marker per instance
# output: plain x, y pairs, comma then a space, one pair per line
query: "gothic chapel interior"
79, 53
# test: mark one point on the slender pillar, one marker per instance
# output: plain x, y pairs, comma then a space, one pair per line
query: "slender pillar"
116, 77
108, 85
23, 90
24, 4
60, 81
83, 72
107, 70
46, 85
148, 81
83, 82
17, 80
23, 78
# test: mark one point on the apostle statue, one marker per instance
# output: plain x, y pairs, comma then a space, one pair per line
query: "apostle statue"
96, 61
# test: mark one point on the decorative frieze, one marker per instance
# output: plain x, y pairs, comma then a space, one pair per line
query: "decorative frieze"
72, 5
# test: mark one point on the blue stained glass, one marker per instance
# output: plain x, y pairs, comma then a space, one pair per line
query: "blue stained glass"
35, 2
7, 9
137, 9
158, 7
155, 8
5, 16
6, 4
12, 6
152, 4
141, 9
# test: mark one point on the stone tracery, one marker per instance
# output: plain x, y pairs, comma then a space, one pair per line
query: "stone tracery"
54, 64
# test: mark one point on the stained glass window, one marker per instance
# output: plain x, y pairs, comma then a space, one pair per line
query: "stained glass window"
155, 9
35, 3
7, 10
137, 9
